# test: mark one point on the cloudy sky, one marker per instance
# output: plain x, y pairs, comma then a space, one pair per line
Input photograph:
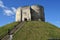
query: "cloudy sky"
8, 10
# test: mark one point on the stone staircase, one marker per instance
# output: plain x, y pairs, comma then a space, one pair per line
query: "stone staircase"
13, 31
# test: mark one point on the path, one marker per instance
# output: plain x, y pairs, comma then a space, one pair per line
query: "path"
13, 31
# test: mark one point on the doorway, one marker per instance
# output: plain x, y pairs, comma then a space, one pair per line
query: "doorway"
25, 19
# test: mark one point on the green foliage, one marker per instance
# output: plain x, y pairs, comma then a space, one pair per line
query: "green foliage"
4, 29
36, 30
33, 30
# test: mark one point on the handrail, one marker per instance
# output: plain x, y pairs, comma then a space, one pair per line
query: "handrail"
1, 37
12, 31
20, 26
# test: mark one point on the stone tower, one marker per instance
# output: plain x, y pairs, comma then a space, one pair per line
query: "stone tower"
30, 13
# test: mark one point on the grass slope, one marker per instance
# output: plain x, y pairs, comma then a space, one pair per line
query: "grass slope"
36, 30
4, 29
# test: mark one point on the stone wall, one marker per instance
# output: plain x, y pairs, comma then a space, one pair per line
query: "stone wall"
37, 13
18, 14
26, 13
34, 12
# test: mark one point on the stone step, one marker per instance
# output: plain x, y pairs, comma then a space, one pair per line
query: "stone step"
13, 31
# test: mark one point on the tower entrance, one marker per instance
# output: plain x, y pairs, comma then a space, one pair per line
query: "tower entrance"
25, 19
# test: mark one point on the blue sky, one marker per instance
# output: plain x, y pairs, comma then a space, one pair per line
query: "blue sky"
8, 9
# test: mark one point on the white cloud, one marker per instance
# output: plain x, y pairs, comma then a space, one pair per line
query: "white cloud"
14, 9
1, 4
7, 11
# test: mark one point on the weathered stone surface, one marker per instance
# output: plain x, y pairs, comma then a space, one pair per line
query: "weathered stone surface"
34, 12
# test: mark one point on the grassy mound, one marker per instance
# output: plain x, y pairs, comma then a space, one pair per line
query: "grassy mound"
4, 29
35, 30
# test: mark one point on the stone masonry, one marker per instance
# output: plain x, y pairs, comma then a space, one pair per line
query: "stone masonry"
30, 13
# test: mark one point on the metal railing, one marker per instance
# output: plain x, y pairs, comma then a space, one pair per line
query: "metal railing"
12, 31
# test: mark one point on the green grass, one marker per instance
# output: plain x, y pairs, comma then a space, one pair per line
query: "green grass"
4, 29
35, 30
